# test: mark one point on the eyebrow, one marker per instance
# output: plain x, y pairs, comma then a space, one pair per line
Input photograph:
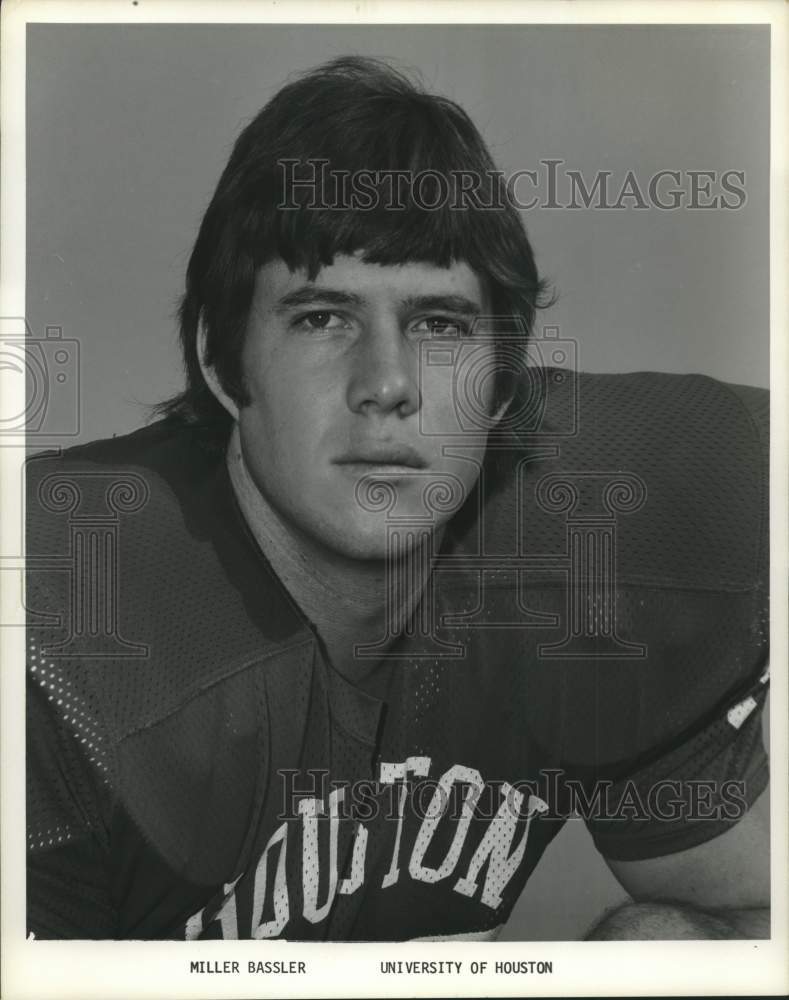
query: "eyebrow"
444, 303
310, 295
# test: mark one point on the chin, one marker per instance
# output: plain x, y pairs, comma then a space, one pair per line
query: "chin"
372, 542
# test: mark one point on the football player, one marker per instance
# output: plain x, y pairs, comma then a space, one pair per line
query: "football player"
334, 648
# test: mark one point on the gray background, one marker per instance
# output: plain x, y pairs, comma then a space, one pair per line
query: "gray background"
128, 128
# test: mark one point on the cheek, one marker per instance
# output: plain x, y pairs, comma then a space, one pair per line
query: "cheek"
438, 390
291, 413
475, 380
458, 399
267, 419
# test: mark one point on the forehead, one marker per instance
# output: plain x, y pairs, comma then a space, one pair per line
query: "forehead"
372, 284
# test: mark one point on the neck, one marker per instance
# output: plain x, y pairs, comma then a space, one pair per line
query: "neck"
344, 599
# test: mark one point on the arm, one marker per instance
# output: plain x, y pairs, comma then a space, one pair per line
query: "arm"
719, 889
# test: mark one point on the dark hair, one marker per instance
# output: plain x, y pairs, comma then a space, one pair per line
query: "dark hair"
359, 114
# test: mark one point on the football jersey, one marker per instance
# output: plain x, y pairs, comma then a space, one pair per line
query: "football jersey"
592, 641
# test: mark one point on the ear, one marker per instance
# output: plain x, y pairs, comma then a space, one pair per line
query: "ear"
210, 376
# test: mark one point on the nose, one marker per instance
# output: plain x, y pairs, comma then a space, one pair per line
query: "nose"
383, 377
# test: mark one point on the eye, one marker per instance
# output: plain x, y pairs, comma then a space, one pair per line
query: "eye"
320, 320
442, 326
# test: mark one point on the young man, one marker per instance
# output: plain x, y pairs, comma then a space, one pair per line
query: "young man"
334, 649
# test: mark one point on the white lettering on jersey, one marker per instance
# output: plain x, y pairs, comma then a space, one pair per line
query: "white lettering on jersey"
355, 879
281, 904
194, 926
390, 773
310, 809
494, 848
496, 852
435, 811
226, 915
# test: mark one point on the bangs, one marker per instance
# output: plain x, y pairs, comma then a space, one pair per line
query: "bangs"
485, 232
398, 175
309, 238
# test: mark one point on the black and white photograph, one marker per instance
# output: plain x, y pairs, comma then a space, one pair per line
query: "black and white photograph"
393, 532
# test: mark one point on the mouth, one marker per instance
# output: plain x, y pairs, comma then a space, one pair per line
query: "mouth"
382, 457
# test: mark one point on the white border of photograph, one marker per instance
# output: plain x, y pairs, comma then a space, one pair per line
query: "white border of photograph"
42, 969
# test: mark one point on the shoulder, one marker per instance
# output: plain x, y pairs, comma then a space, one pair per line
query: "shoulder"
144, 491
165, 457
700, 448
141, 577
718, 427
687, 456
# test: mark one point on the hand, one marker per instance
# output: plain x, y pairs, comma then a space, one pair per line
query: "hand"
674, 922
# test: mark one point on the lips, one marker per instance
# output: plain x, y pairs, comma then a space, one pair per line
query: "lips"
376, 453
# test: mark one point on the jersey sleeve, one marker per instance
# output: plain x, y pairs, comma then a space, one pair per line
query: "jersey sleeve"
68, 884
700, 779
691, 792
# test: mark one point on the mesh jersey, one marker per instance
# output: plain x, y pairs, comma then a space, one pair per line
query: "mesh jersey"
594, 639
